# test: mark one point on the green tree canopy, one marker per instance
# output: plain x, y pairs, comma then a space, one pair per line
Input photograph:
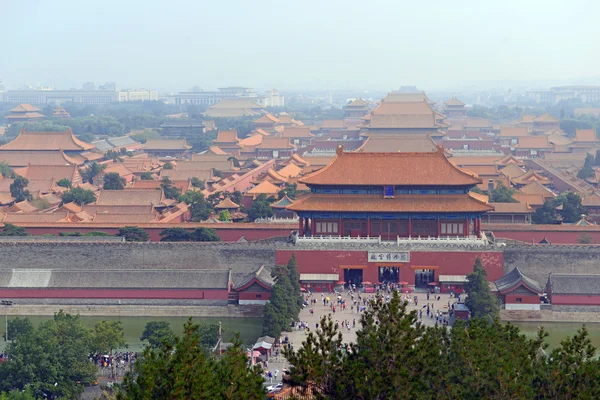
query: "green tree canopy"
502, 194
183, 370
158, 333
199, 208
175, 235
18, 191
18, 327
108, 335
51, 360
13, 230
396, 357
113, 181
133, 234
171, 192
79, 196
146, 176
205, 235
168, 165
197, 183
480, 300
546, 214
225, 216
64, 182
572, 209
88, 174
261, 208
5, 169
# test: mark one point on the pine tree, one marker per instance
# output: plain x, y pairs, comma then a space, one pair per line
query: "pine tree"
480, 300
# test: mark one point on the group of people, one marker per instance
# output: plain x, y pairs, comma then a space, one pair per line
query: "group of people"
113, 364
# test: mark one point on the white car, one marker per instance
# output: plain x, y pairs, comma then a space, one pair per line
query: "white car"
275, 388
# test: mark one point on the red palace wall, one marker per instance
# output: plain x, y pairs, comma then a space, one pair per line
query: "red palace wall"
448, 263
526, 299
575, 300
61, 293
226, 234
555, 237
252, 295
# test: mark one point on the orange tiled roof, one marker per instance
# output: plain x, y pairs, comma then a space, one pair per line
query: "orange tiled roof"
531, 199
18, 158
290, 170
267, 119
25, 108
357, 103
454, 102
227, 136
183, 185
514, 131
130, 197
466, 161
296, 132
529, 177
535, 187
65, 141
399, 97
333, 123
511, 208
512, 171
484, 170
534, 142
546, 118
215, 150
390, 169
253, 140
585, 135
399, 143
167, 144
270, 142
401, 203
527, 119
23, 116
56, 172
265, 187
226, 203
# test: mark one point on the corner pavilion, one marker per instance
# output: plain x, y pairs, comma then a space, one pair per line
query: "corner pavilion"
390, 196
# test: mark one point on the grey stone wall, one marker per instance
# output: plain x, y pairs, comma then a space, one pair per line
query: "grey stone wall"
241, 258
538, 261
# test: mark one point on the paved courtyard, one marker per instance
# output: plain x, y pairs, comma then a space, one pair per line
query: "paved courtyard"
296, 337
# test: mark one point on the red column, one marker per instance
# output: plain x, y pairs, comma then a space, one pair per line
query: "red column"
300, 230
312, 226
410, 227
368, 226
466, 227
340, 227
478, 226
439, 227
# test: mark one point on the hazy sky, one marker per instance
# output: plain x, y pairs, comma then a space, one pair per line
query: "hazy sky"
287, 44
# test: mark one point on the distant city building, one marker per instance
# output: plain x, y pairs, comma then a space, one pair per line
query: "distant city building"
43, 96
197, 96
88, 86
108, 86
273, 99
585, 94
138, 95
1, 87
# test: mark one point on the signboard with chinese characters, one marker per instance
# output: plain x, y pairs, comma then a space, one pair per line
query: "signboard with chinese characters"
389, 256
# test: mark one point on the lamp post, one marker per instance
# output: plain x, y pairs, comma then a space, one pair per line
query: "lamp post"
6, 304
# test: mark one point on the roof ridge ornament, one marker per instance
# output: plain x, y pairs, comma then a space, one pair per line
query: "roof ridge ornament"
340, 149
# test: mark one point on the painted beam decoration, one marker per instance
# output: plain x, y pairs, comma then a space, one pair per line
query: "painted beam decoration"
389, 256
